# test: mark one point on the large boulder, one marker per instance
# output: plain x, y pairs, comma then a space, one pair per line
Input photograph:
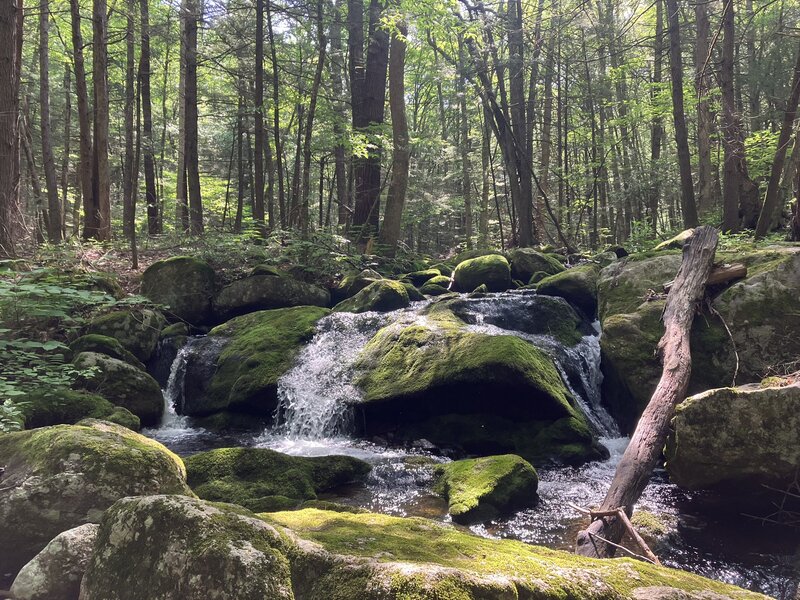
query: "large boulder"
103, 344
418, 278
263, 292
164, 547
136, 329
525, 262
352, 283
185, 285
161, 547
122, 385
383, 295
739, 439
484, 394
57, 406
577, 285
261, 479
243, 359
56, 572
63, 476
491, 270
482, 489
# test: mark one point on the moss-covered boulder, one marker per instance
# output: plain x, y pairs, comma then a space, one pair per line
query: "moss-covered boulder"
433, 289
418, 278
136, 329
414, 295
491, 270
63, 476
482, 489
352, 283
103, 344
737, 439
56, 572
382, 295
577, 285
263, 292
624, 285
185, 285
266, 269
160, 547
525, 262
122, 385
260, 479
239, 367
483, 394
443, 268
59, 406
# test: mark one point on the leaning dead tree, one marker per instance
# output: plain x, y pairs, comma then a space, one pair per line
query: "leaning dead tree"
605, 532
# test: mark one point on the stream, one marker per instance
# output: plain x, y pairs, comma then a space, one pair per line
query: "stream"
314, 419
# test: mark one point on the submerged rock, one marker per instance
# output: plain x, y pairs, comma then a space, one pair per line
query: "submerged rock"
123, 385
383, 295
261, 292
482, 489
186, 285
63, 476
737, 439
136, 329
64, 406
486, 394
491, 270
577, 285
56, 572
261, 479
245, 358
526, 262
191, 549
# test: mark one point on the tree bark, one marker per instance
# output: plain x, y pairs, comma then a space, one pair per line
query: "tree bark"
767, 216
54, 233
276, 121
181, 196
644, 450
705, 120
65, 154
688, 205
154, 221
390, 232
10, 37
101, 181
84, 120
128, 199
190, 13
657, 127
731, 128
466, 183
258, 213
340, 118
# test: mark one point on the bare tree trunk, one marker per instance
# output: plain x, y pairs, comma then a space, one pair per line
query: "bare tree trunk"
54, 233
657, 127
128, 200
644, 450
466, 183
340, 118
65, 155
258, 213
705, 121
483, 218
181, 195
154, 224
767, 216
688, 205
90, 222
276, 121
390, 232
10, 38
101, 182
731, 128
237, 223
191, 16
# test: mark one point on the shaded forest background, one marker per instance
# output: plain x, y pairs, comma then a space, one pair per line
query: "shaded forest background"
427, 126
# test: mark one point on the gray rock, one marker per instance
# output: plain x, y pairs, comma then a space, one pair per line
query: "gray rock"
261, 292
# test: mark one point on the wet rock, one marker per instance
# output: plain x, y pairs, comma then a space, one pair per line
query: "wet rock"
262, 292
56, 572
577, 285
482, 489
525, 262
383, 295
59, 477
136, 329
491, 270
353, 283
186, 285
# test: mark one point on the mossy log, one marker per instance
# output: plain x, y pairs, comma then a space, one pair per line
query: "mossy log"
647, 442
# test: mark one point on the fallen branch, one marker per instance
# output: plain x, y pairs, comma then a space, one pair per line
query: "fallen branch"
644, 450
719, 274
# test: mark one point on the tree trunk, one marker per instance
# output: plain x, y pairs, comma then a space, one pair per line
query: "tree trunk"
688, 205
258, 213
466, 183
705, 120
767, 216
84, 121
276, 121
657, 127
340, 118
101, 181
128, 199
54, 234
65, 155
647, 442
731, 129
237, 223
151, 198
191, 17
181, 195
390, 232
10, 36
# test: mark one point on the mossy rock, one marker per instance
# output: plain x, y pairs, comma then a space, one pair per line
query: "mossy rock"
754, 440
624, 285
418, 278
577, 285
63, 476
246, 357
137, 330
491, 270
433, 289
482, 489
603, 259
263, 480
186, 285
383, 295
175, 547
470, 254
102, 344
264, 292
443, 268
525, 262
122, 385
64, 406
537, 277
414, 295
266, 269
352, 283
481, 290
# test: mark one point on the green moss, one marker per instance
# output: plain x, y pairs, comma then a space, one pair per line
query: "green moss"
352, 283
261, 479
267, 270
266, 292
492, 270
470, 254
184, 284
432, 289
525, 262
481, 489
414, 295
418, 278
382, 295
262, 347
105, 345
443, 268
577, 285
64, 406
535, 571
137, 330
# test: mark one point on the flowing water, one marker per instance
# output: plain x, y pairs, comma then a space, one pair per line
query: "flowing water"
314, 419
